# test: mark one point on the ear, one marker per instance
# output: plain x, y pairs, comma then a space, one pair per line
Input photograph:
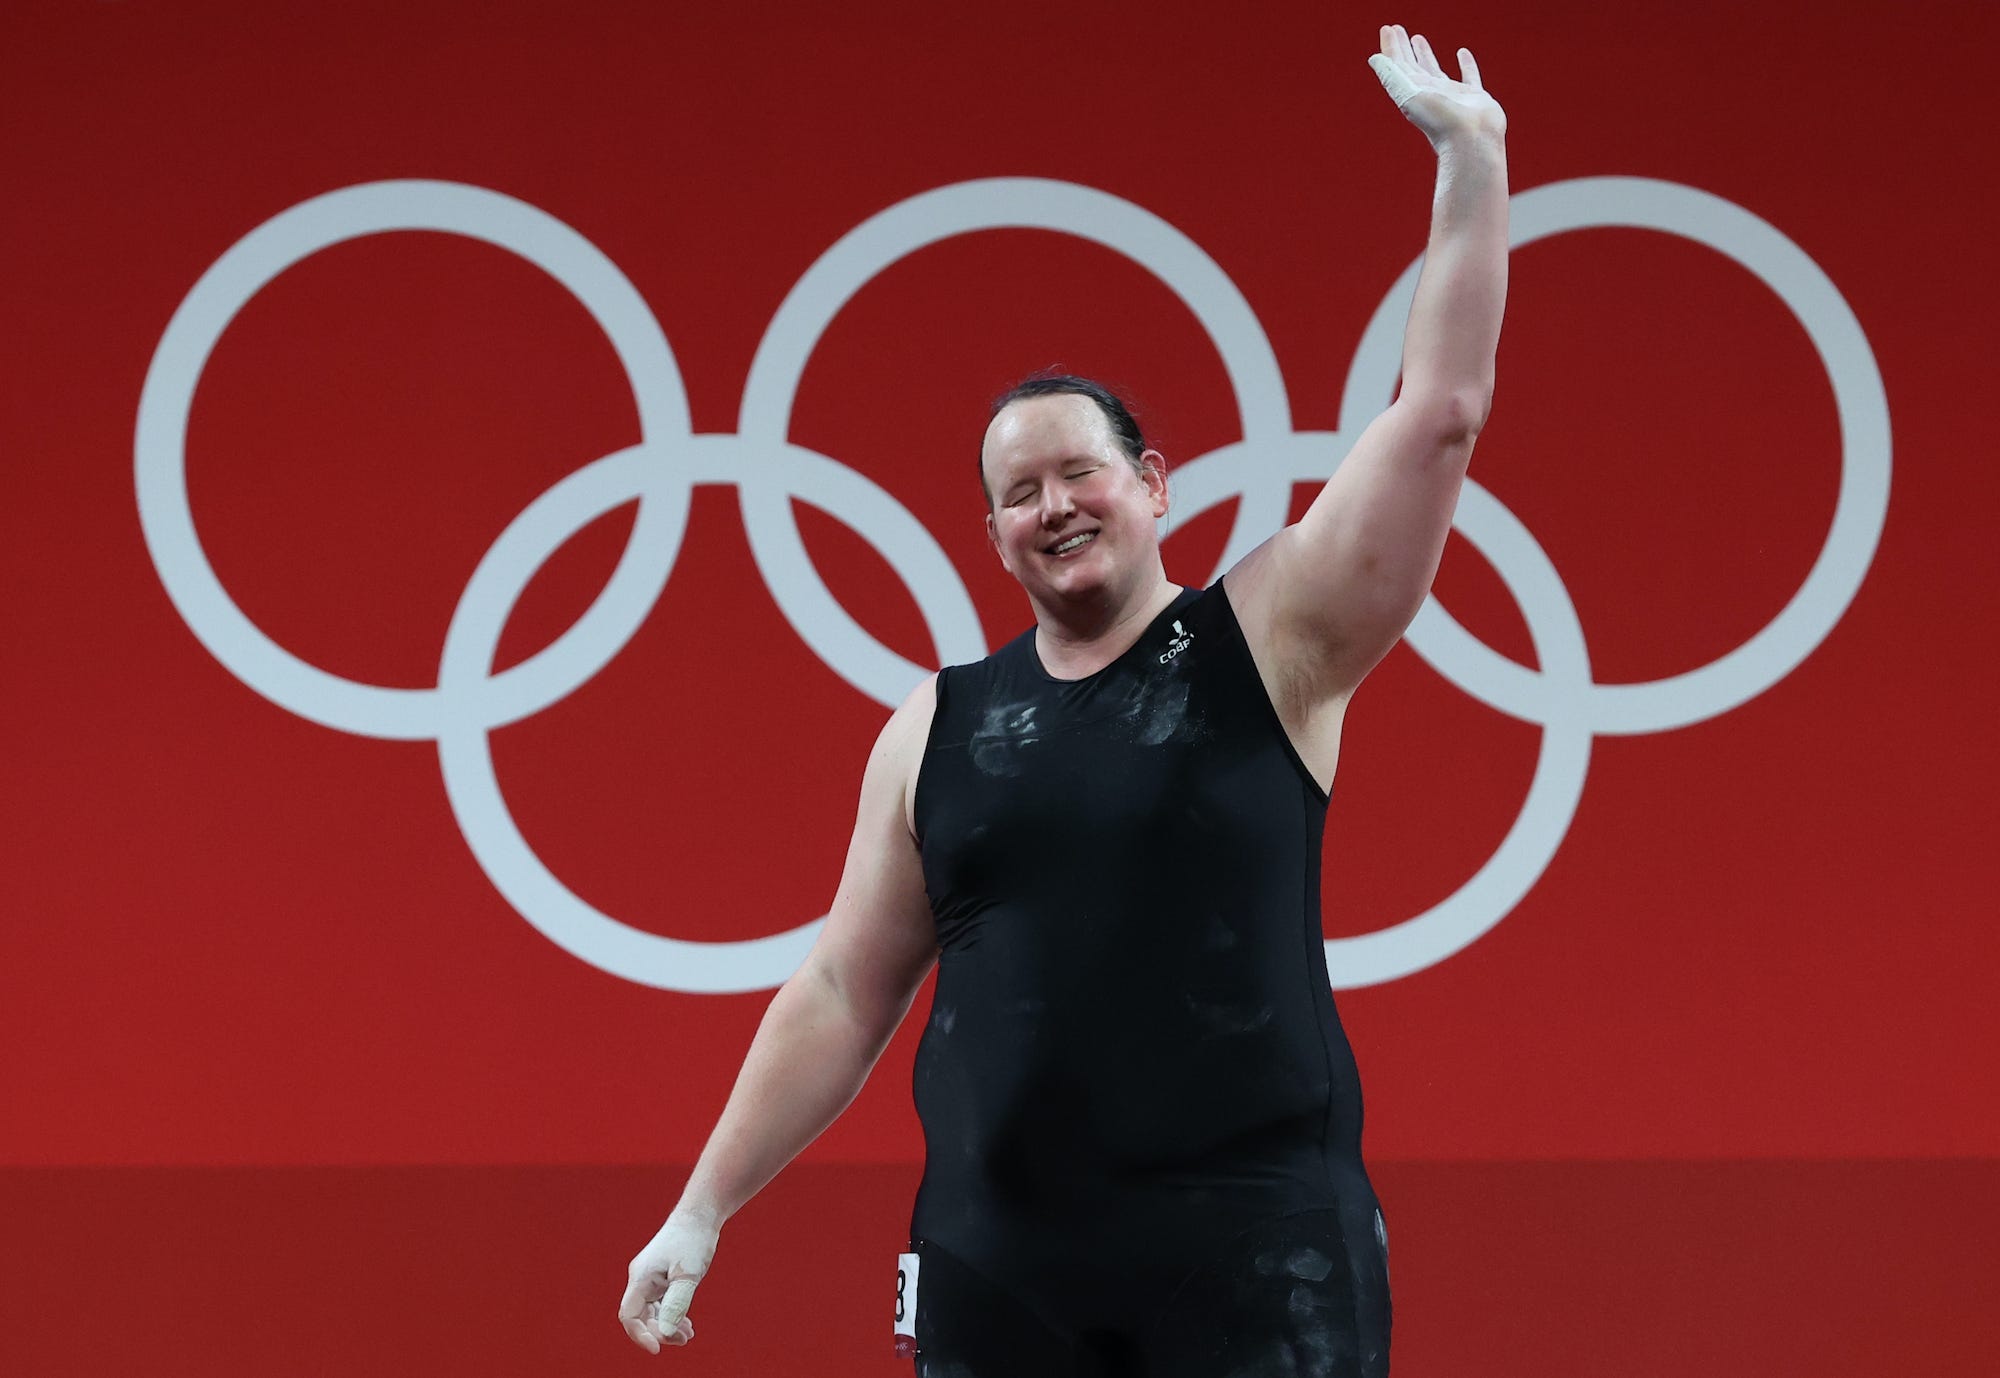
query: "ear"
1153, 473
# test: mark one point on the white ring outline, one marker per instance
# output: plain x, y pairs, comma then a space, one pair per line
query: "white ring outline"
464, 747
1859, 399
160, 450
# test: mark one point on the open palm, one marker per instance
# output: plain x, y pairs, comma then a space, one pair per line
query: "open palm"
1431, 100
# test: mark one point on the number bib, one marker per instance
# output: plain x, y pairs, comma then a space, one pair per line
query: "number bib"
906, 1305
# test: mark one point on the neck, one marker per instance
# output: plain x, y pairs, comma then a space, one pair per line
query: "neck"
1075, 640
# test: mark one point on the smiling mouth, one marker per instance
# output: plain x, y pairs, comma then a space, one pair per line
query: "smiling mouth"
1074, 543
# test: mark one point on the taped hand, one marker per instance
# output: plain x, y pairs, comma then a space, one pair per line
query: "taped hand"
661, 1280
1432, 101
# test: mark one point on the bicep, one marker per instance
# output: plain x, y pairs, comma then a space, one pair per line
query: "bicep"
879, 941
1334, 591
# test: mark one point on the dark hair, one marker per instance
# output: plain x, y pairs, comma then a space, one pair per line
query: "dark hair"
1124, 426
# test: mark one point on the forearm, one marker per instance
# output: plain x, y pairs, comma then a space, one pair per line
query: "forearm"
1454, 325
806, 1064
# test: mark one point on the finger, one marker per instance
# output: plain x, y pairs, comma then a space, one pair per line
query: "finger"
674, 1333
639, 1335
1404, 52
1469, 70
1395, 80
674, 1306
1388, 41
1426, 59
632, 1309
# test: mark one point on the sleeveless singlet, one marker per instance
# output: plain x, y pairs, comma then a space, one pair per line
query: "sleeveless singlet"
1133, 1056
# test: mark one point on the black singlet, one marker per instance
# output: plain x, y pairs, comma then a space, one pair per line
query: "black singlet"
1133, 1075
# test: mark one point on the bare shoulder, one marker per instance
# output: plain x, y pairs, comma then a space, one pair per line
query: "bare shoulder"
911, 722
1299, 674
899, 751
1297, 667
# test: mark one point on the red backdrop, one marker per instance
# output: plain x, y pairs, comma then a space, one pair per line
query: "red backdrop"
271, 1028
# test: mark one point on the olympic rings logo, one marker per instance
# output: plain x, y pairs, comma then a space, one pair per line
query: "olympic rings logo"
769, 470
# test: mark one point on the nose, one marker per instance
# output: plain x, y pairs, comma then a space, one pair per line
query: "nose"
1057, 505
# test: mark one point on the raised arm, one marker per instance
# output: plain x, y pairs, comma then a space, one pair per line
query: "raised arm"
822, 1034
1326, 598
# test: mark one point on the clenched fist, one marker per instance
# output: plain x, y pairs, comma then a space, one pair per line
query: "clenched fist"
661, 1280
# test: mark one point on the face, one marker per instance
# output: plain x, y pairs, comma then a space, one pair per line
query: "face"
1071, 518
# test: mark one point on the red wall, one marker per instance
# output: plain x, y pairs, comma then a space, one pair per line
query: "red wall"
1725, 1044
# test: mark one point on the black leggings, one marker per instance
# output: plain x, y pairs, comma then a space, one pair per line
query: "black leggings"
1296, 1296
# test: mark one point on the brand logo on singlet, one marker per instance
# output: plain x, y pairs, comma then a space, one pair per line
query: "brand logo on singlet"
1182, 640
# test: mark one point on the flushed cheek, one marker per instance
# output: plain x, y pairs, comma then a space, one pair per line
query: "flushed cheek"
1019, 548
